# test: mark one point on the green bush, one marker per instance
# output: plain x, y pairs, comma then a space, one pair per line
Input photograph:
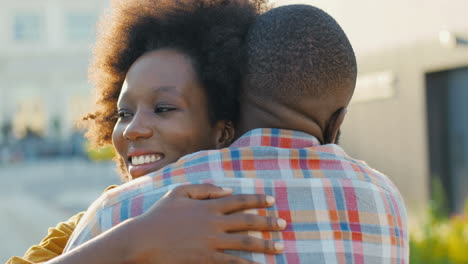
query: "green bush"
440, 241
100, 154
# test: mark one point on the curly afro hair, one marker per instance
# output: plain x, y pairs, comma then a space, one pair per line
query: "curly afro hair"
210, 32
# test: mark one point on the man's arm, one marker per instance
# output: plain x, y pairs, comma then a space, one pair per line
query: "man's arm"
184, 227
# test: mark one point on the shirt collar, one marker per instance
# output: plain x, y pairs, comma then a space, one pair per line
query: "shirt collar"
275, 137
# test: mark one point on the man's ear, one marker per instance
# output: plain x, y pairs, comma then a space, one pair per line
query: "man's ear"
333, 126
225, 134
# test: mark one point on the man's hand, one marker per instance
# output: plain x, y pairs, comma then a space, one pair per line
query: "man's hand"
195, 223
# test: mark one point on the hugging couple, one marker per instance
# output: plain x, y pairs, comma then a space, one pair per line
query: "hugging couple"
226, 124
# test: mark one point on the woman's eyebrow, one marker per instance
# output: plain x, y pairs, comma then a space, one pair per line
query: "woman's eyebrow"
166, 89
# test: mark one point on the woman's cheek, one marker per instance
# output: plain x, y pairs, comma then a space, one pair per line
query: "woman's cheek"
117, 139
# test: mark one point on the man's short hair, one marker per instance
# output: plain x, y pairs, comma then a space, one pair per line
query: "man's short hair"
298, 50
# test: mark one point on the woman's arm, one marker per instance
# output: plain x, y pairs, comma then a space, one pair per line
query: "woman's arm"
191, 224
50, 246
54, 243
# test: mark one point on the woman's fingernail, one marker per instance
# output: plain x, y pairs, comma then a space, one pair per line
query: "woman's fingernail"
281, 223
270, 199
227, 189
279, 246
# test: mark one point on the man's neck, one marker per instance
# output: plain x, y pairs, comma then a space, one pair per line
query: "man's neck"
256, 113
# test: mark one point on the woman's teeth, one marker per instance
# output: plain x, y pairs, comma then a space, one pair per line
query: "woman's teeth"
144, 159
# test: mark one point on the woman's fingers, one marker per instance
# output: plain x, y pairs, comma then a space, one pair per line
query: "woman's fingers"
249, 243
226, 258
252, 222
239, 202
200, 191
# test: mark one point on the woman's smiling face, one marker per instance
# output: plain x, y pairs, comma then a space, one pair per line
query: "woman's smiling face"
163, 113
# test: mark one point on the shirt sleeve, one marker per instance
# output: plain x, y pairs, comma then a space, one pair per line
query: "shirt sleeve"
88, 226
52, 245
100, 211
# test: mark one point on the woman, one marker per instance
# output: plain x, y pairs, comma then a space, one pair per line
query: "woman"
168, 78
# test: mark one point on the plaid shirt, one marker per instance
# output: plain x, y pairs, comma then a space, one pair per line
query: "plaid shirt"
338, 209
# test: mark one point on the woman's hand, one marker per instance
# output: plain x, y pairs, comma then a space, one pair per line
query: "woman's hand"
190, 224
195, 223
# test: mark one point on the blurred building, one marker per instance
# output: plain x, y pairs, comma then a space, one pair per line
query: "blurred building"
409, 116
45, 47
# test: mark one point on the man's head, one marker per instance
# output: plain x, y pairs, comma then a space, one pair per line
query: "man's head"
301, 72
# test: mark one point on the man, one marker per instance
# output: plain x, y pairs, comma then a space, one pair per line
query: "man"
299, 79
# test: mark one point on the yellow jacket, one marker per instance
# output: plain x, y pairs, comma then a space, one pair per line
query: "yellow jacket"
53, 244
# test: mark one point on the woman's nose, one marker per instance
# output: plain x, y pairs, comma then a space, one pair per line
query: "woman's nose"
138, 128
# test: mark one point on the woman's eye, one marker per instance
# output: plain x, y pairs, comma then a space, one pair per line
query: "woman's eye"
163, 109
124, 114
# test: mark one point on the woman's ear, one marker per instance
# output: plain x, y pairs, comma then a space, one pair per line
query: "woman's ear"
332, 130
225, 134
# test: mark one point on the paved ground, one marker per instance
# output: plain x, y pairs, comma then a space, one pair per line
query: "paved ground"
35, 196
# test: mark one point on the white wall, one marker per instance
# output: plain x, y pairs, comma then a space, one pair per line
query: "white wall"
374, 25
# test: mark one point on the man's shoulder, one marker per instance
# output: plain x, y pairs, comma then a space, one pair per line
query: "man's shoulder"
196, 161
360, 170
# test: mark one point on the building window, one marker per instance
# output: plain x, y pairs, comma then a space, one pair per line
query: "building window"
80, 26
446, 97
28, 27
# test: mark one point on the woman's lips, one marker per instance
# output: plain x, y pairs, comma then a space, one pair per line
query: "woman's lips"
144, 164
144, 159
